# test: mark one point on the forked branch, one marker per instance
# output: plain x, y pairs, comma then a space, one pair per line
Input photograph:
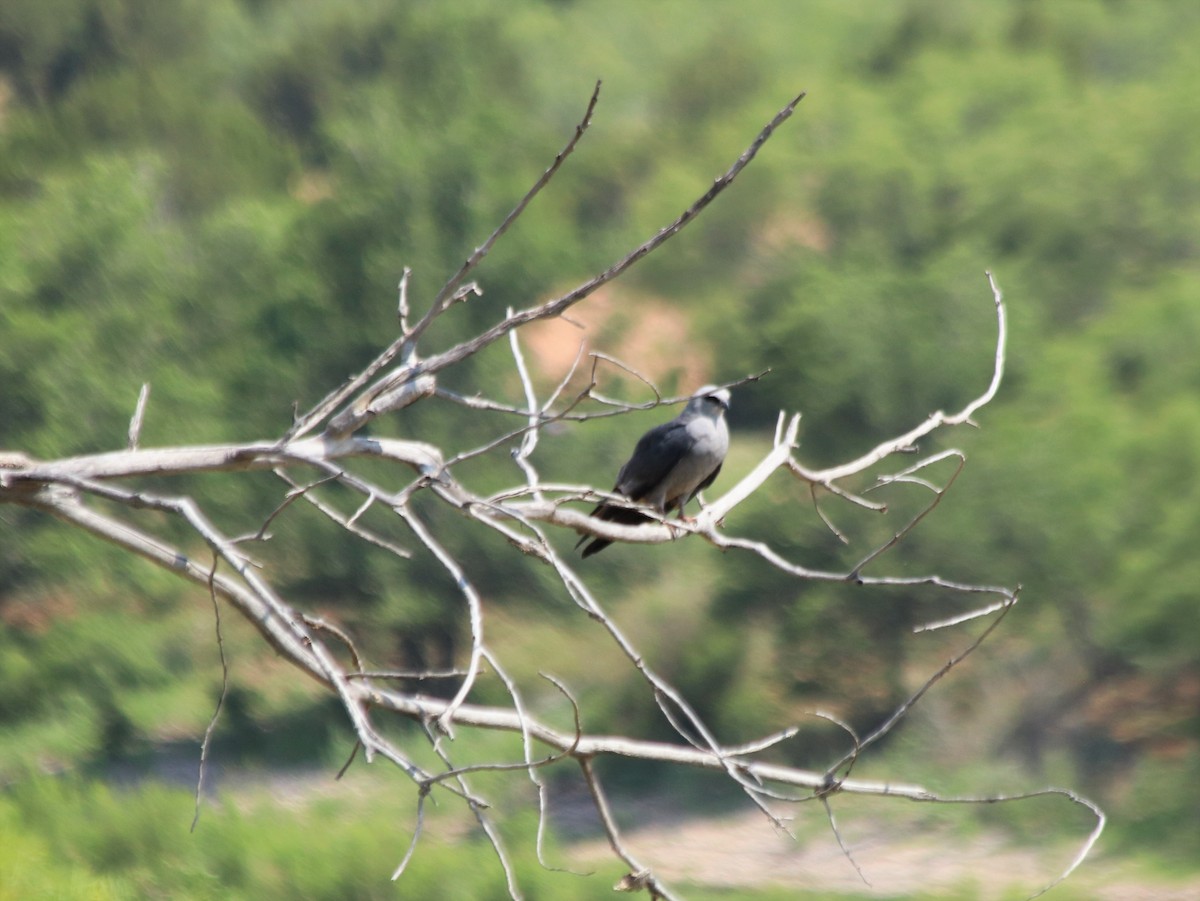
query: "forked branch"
528, 514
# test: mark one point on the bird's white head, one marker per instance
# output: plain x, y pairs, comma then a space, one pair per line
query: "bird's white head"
710, 400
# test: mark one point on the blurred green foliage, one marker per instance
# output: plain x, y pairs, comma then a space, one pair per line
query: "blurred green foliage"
70, 839
218, 198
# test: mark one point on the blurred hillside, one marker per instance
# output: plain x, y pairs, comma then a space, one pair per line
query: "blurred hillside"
218, 197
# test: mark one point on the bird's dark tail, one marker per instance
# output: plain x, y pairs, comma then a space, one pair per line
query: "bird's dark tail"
609, 513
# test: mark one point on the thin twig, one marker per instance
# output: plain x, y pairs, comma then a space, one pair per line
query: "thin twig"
350, 523
479, 809
402, 300
483, 249
900, 712
474, 607
916, 520
139, 413
530, 439
322, 625
290, 498
408, 338
422, 794
1084, 850
413, 675
206, 744
638, 873
837, 834
543, 799
558, 305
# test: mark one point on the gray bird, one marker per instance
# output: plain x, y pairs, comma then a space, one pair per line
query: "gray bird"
671, 463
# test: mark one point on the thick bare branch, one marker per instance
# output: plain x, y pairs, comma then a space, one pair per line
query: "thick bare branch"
172, 461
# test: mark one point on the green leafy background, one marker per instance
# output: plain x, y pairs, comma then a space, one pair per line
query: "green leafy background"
218, 198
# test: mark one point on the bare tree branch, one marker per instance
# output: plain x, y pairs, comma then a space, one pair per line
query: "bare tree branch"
559, 305
206, 744
407, 341
98, 493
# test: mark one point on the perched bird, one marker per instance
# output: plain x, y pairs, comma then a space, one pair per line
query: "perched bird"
671, 463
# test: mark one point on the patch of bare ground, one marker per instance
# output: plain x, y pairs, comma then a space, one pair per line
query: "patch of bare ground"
743, 851
645, 334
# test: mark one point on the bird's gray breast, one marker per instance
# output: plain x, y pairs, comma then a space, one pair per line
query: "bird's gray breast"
708, 442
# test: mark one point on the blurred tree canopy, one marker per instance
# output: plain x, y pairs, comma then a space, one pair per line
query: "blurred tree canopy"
218, 198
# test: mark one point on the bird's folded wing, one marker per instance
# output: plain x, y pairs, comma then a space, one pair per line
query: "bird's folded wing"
657, 453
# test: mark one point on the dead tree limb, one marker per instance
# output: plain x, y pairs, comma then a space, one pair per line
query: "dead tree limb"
99, 493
